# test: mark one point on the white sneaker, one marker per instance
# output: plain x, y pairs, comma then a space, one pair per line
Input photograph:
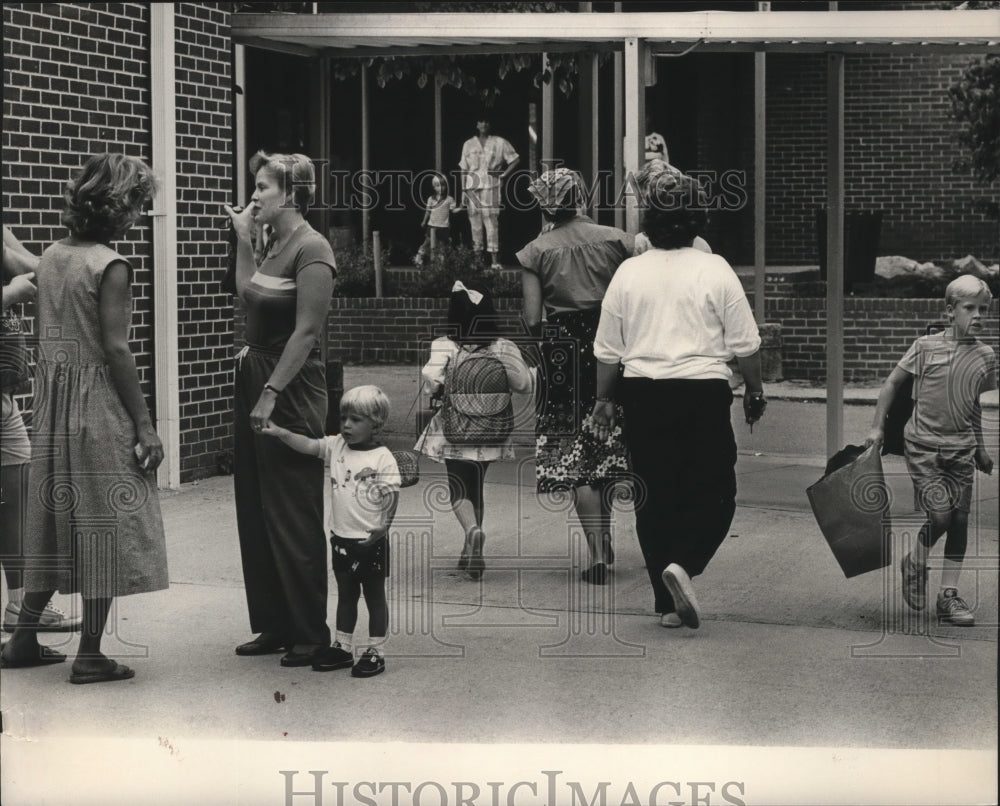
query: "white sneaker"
679, 585
671, 620
53, 619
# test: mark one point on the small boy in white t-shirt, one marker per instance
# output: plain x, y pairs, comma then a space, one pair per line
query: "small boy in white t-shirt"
364, 490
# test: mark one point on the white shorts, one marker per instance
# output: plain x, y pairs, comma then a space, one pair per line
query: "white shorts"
15, 448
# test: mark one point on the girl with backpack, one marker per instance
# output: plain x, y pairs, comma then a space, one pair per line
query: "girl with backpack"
473, 371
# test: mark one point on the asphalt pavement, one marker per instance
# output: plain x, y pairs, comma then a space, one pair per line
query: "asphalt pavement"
801, 686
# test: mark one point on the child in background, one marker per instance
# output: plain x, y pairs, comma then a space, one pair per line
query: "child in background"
364, 491
473, 321
437, 219
943, 441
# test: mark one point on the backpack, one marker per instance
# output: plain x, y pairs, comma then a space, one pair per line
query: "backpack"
476, 407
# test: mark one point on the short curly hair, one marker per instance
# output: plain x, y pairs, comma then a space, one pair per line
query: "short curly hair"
295, 174
674, 212
107, 196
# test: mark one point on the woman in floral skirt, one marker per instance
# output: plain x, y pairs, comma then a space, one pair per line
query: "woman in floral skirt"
566, 271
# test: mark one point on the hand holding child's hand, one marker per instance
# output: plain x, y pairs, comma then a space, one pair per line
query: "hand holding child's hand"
270, 429
984, 461
875, 437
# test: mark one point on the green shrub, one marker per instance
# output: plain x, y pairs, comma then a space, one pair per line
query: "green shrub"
451, 262
456, 261
356, 273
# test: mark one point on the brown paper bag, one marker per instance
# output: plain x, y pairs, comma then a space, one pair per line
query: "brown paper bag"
851, 505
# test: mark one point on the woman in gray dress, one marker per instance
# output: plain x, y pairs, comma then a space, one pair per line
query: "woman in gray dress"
94, 523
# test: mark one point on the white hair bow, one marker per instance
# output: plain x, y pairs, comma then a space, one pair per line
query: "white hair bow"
475, 296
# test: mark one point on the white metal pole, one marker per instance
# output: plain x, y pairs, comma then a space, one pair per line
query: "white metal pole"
365, 212
377, 259
619, 134
635, 102
548, 117
760, 179
438, 128
164, 219
759, 186
240, 123
835, 254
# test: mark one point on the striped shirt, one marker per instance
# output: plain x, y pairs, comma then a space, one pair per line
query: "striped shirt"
272, 293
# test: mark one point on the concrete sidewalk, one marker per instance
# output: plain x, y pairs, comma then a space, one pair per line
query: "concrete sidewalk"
791, 655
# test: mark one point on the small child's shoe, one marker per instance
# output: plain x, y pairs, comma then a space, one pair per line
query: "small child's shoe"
914, 583
952, 609
671, 621
369, 665
333, 658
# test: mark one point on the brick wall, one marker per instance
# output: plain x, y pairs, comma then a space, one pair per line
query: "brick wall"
900, 145
76, 82
71, 91
204, 184
899, 150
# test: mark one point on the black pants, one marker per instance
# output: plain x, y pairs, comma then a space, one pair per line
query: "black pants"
279, 504
683, 451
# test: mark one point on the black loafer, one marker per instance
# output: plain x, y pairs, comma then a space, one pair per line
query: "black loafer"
293, 658
262, 645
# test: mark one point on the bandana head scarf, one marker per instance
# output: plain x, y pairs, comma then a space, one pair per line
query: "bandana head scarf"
553, 189
672, 190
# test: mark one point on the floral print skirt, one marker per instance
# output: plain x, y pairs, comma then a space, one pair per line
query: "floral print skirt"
567, 453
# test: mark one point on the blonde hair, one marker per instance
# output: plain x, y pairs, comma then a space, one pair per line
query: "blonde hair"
295, 174
966, 286
366, 401
107, 196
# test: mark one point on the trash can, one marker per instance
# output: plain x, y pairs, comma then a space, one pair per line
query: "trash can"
862, 229
334, 391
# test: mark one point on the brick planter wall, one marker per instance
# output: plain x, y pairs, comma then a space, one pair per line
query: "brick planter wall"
396, 330
876, 331
876, 334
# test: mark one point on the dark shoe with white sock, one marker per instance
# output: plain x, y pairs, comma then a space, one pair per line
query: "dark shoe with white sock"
369, 664
952, 609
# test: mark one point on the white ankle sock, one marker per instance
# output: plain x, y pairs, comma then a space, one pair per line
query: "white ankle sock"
345, 639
